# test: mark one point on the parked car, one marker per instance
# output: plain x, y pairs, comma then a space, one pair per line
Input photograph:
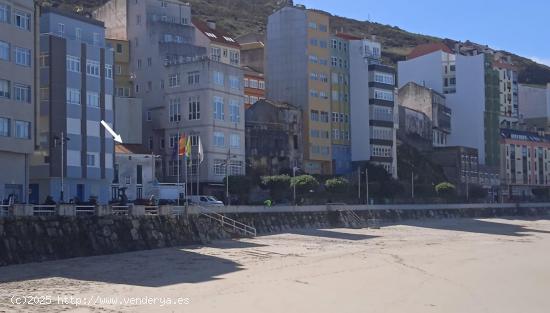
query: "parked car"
204, 200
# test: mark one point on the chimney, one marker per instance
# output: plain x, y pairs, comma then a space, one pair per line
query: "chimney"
211, 24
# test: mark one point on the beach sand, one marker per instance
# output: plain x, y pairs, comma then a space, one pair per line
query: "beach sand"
451, 265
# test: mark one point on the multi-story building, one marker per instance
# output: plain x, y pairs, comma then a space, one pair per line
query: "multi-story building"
526, 163
433, 105
340, 102
460, 165
128, 108
297, 72
373, 108
471, 88
188, 83
274, 137
535, 107
415, 129
17, 96
75, 154
134, 172
253, 51
254, 86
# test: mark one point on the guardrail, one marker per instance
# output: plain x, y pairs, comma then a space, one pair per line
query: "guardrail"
85, 210
120, 210
151, 210
4, 210
44, 210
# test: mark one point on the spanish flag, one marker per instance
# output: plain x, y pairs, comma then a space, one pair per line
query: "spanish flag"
188, 148
182, 145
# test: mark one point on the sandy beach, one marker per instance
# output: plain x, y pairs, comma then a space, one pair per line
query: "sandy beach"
461, 265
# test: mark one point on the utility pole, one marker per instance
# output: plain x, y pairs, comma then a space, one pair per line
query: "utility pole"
367, 183
359, 184
294, 185
412, 184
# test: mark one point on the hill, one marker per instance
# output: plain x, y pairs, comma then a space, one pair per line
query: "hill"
240, 17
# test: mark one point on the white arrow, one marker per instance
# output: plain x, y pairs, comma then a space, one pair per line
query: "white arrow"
116, 137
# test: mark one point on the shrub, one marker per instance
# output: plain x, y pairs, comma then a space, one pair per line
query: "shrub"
278, 185
445, 189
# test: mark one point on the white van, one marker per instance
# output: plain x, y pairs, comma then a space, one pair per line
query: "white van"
204, 200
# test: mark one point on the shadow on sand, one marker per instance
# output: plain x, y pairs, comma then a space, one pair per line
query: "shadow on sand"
476, 226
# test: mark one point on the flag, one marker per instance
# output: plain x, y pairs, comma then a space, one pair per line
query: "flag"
182, 145
188, 148
201, 152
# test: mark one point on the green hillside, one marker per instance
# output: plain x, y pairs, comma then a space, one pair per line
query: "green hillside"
244, 16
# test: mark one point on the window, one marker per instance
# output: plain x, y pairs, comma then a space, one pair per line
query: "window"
219, 167
234, 58
324, 117
138, 19
173, 140
193, 78
92, 68
22, 130
253, 83
174, 80
234, 111
314, 115
139, 63
4, 51
61, 29
235, 168
215, 53
194, 108
22, 93
92, 99
23, 56
149, 61
383, 95
22, 20
234, 82
323, 28
123, 92
108, 102
246, 83
174, 110
218, 109
312, 25
96, 39
4, 88
149, 116
384, 78
73, 96
4, 127
335, 117
235, 141
118, 48
4, 13
73, 64
108, 71
78, 33
313, 59
334, 61
91, 160
218, 78
261, 84
219, 139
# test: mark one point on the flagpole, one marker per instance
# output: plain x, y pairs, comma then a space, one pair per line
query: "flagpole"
178, 156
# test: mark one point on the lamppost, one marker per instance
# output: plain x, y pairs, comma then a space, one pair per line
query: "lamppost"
367, 183
229, 157
294, 169
63, 140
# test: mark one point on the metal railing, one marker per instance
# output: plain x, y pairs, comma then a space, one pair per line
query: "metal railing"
120, 210
85, 210
178, 211
4, 210
151, 210
44, 210
229, 222
354, 219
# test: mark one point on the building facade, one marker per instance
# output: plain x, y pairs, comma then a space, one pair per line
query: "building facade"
188, 75
526, 163
433, 105
471, 88
274, 137
374, 99
293, 76
415, 129
134, 172
254, 86
75, 154
340, 102
535, 107
127, 107
17, 97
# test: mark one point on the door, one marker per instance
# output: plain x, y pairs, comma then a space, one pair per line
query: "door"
80, 192
34, 197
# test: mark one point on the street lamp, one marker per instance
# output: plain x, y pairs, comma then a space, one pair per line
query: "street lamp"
229, 157
63, 140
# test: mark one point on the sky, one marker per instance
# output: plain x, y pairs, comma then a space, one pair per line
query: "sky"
520, 27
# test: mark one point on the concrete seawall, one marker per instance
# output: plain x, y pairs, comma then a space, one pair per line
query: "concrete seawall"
41, 238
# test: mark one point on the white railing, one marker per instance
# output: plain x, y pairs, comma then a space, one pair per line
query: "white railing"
44, 210
234, 224
4, 210
151, 210
178, 211
120, 210
81, 210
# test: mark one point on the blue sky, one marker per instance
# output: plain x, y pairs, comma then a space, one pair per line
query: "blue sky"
520, 27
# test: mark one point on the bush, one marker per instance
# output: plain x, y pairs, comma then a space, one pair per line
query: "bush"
304, 183
338, 185
278, 185
445, 190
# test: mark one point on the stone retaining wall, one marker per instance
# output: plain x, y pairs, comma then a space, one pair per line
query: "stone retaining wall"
36, 239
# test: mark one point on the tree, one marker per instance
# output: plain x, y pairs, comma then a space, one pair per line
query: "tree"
477, 192
338, 185
239, 186
304, 184
445, 190
278, 185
